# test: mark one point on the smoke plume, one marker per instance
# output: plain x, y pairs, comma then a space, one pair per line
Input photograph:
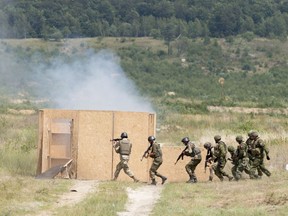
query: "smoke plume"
96, 82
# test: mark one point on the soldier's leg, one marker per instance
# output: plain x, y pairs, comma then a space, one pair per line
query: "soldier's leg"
117, 171
189, 171
128, 171
264, 169
234, 173
153, 170
216, 170
222, 164
211, 173
254, 167
164, 178
243, 166
195, 163
259, 171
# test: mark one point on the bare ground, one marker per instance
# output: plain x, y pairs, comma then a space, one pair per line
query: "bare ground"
76, 194
141, 200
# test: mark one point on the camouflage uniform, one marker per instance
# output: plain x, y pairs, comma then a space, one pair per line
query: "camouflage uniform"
242, 155
195, 154
156, 154
208, 159
123, 147
235, 161
249, 142
219, 156
258, 152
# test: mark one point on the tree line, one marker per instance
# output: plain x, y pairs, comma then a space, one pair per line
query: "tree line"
161, 19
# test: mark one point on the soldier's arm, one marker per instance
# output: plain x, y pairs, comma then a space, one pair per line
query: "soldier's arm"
153, 150
265, 148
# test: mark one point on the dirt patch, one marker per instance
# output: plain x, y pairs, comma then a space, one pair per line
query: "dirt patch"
141, 200
77, 193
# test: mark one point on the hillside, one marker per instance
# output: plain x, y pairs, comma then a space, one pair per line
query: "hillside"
236, 71
164, 19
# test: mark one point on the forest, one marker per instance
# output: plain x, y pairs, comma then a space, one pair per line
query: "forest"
161, 19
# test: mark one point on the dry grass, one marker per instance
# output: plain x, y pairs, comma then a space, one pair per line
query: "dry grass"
247, 197
25, 195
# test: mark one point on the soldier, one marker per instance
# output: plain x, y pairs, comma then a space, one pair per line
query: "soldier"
249, 142
219, 156
195, 154
235, 161
123, 147
208, 160
258, 151
156, 154
242, 156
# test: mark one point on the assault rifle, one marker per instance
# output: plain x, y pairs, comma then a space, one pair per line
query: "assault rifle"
115, 140
145, 154
181, 155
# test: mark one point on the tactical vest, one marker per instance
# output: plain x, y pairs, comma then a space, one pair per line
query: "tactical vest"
125, 147
157, 150
196, 152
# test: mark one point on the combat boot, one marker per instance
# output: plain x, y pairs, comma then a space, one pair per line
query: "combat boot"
191, 180
195, 179
135, 180
162, 177
230, 178
153, 182
210, 178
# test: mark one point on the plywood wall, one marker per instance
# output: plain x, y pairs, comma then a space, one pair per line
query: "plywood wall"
92, 152
46, 118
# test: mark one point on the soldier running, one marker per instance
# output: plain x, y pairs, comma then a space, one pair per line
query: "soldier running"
123, 147
219, 156
195, 154
156, 154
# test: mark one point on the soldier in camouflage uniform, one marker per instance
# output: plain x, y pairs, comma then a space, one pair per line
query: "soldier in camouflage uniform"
123, 147
156, 154
235, 161
258, 151
208, 160
239, 159
249, 142
219, 156
195, 154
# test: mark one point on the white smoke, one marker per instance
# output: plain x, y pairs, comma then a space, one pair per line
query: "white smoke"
96, 82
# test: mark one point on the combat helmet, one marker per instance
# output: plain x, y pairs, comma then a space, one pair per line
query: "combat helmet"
217, 138
231, 148
124, 135
254, 134
185, 140
250, 133
151, 138
239, 138
207, 145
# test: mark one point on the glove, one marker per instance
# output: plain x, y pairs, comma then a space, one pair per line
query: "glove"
267, 157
